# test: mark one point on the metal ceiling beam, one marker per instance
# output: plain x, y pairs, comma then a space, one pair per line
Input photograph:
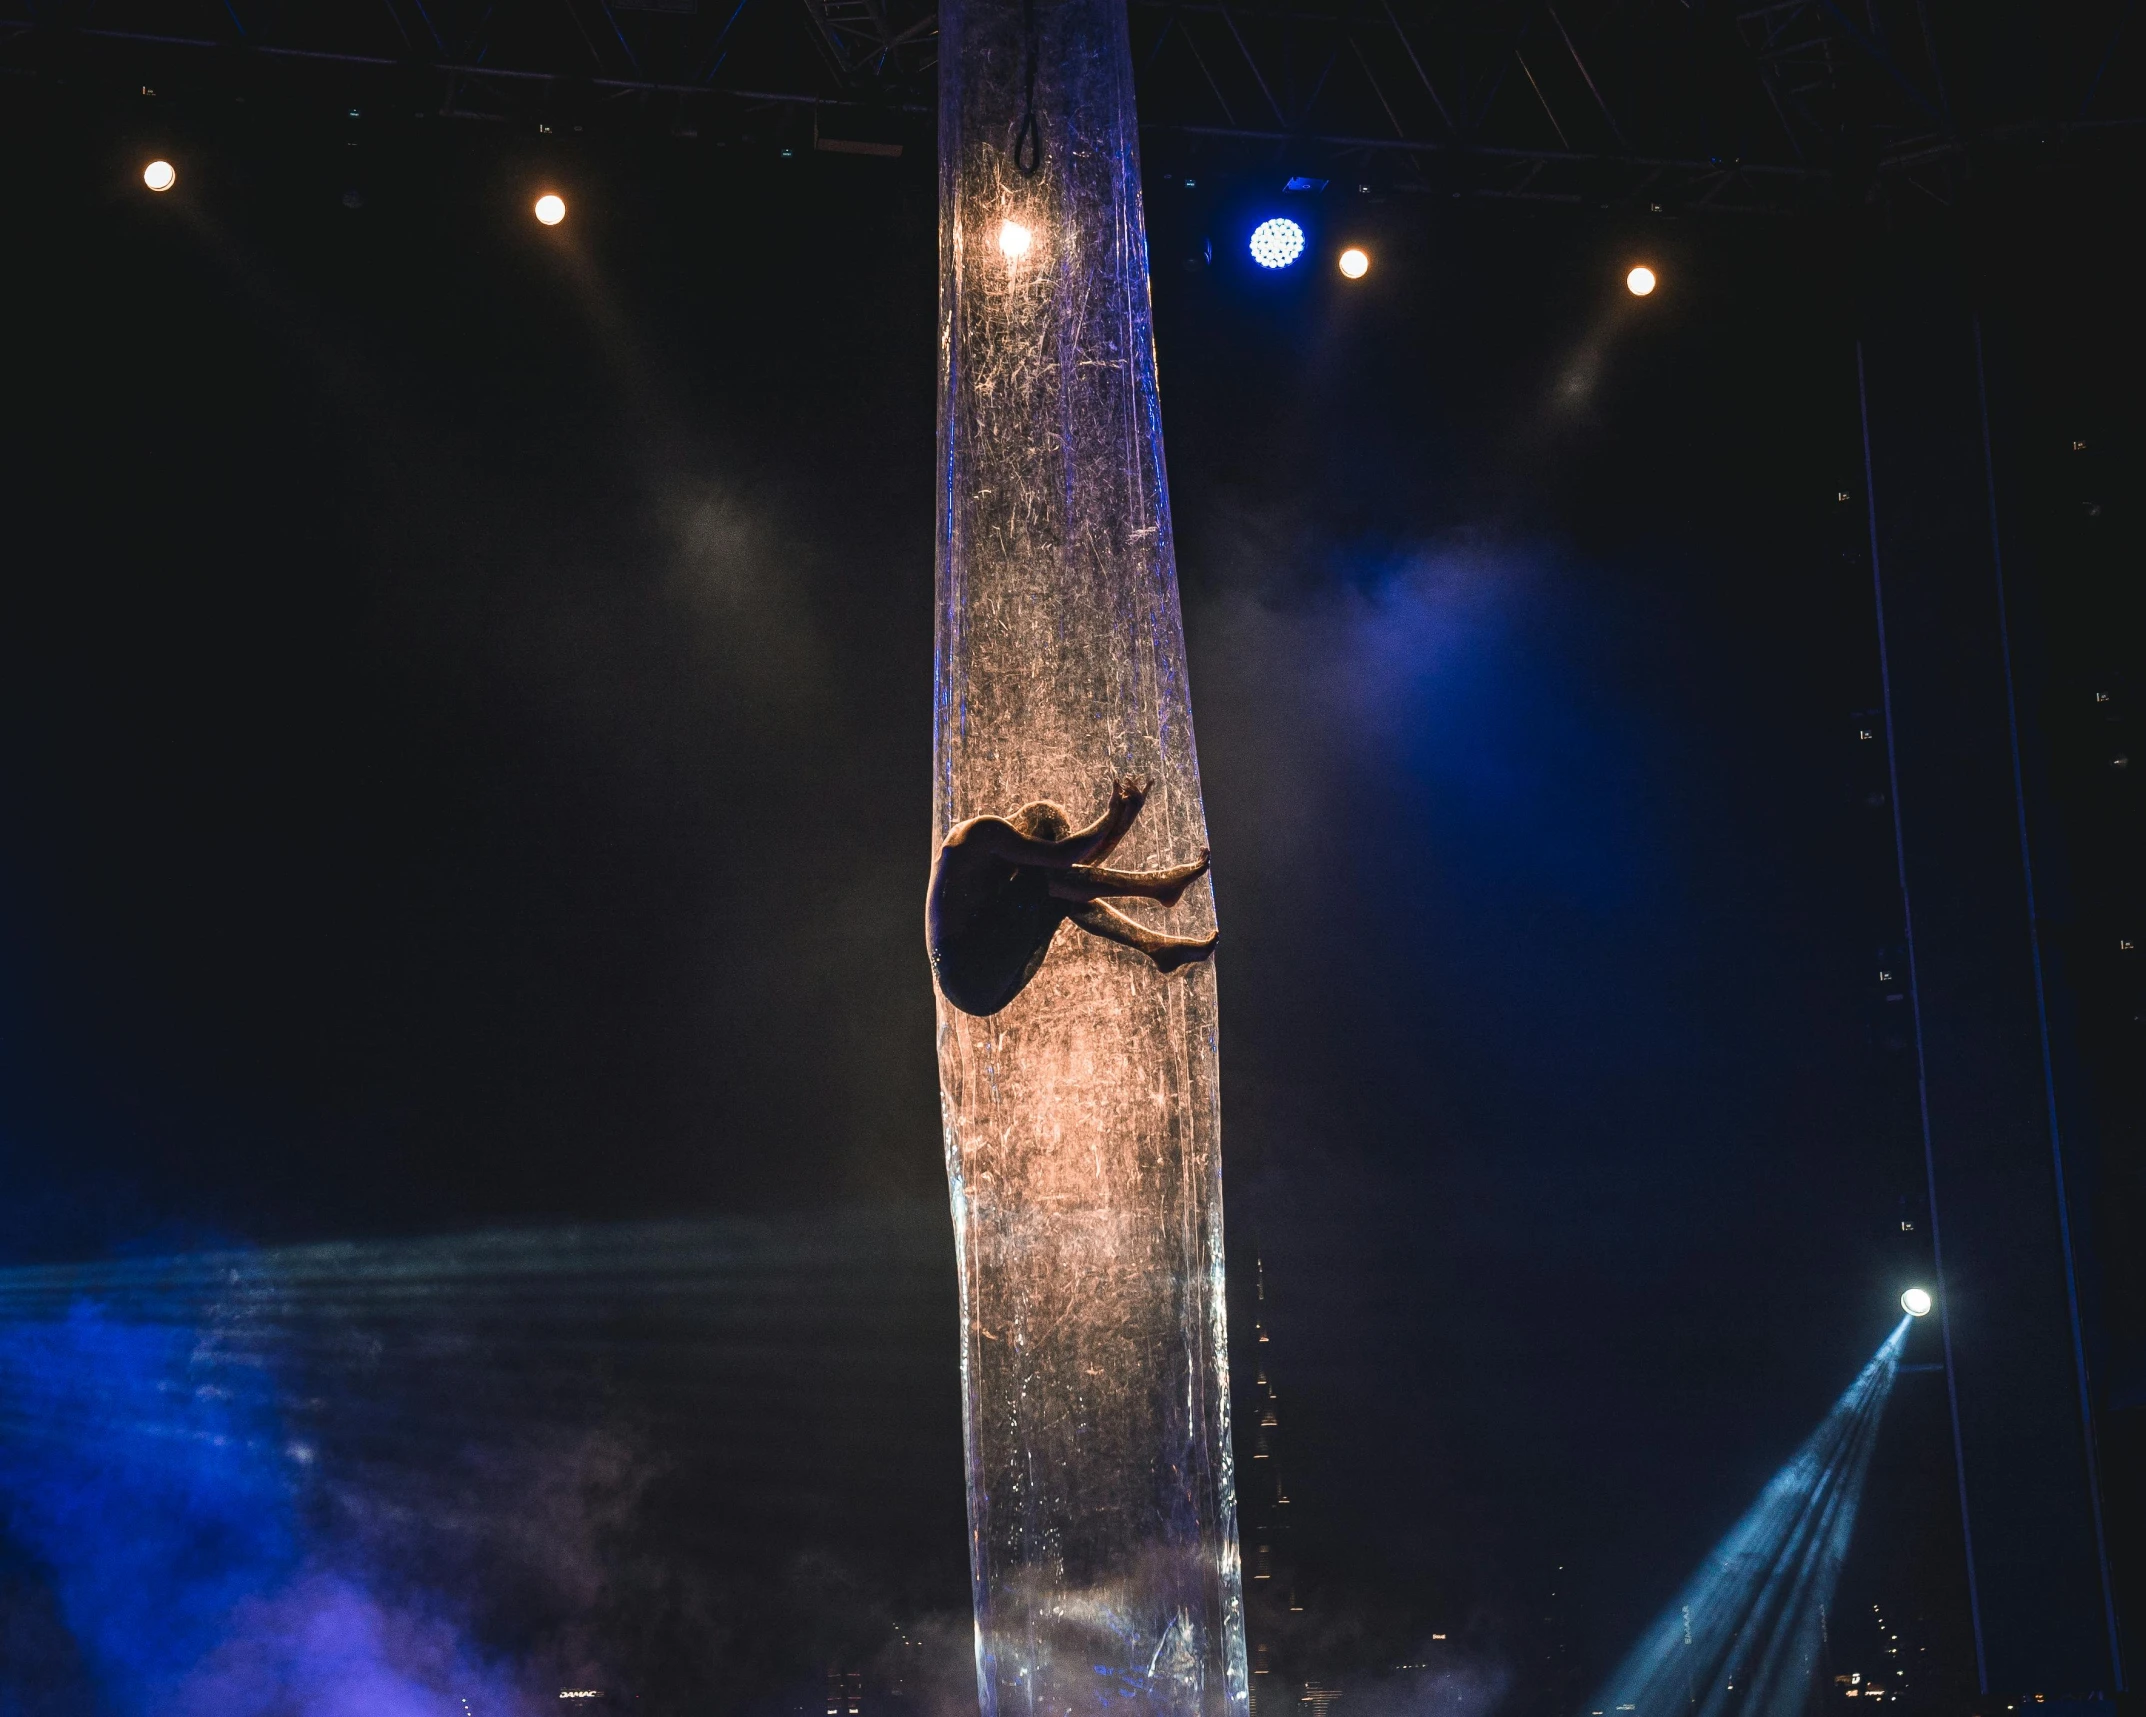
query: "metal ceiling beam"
1775, 104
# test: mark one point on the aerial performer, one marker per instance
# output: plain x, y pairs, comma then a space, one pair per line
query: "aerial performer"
1003, 885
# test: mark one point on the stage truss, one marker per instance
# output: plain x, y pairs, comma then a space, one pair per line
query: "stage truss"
1670, 104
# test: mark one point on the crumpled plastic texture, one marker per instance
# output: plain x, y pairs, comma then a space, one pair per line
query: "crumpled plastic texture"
1082, 1123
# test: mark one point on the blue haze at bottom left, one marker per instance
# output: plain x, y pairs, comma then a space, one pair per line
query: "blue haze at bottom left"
149, 1486
157, 1506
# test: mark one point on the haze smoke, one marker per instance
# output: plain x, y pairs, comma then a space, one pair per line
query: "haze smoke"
393, 1477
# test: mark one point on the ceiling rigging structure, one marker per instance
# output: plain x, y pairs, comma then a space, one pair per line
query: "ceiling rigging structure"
1719, 106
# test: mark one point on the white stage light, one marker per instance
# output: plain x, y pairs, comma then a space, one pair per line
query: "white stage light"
160, 175
1640, 281
1354, 263
550, 209
1277, 243
1916, 1302
1014, 240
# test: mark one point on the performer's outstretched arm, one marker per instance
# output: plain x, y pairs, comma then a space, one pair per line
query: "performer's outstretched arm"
1091, 845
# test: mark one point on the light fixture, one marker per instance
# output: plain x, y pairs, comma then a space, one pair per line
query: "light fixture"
1277, 243
160, 175
1354, 263
1916, 1302
550, 208
1640, 281
1014, 240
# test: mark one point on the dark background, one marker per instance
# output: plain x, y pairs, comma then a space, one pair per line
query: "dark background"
464, 731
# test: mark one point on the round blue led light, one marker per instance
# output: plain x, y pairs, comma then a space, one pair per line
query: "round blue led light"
1277, 243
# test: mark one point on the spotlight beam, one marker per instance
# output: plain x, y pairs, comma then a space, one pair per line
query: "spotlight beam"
382, 1353
1745, 1628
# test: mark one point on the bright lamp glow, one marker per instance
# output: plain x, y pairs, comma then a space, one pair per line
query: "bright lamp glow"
551, 208
1640, 281
1277, 243
1916, 1302
1354, 263
160, 175
1014, 240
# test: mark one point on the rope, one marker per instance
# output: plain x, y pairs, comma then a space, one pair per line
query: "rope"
1028, 136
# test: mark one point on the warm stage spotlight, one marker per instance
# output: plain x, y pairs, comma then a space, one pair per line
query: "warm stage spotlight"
160, 175
1916, 1302
1014, 240
1640, 281
1277, 243
551, 209
1354, 263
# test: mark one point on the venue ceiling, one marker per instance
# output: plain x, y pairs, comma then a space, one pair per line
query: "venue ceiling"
1767, 106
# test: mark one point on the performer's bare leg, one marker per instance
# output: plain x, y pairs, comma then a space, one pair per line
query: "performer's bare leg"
1168, 952
1087, 882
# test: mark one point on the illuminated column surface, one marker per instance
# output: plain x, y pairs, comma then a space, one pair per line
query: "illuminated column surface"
1082, 1121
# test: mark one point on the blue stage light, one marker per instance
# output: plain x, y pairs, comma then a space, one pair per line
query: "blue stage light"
1277, 243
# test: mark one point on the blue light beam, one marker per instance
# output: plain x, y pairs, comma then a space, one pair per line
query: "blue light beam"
1745, 1632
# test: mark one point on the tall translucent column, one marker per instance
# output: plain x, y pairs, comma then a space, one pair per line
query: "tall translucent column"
1082, 1122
